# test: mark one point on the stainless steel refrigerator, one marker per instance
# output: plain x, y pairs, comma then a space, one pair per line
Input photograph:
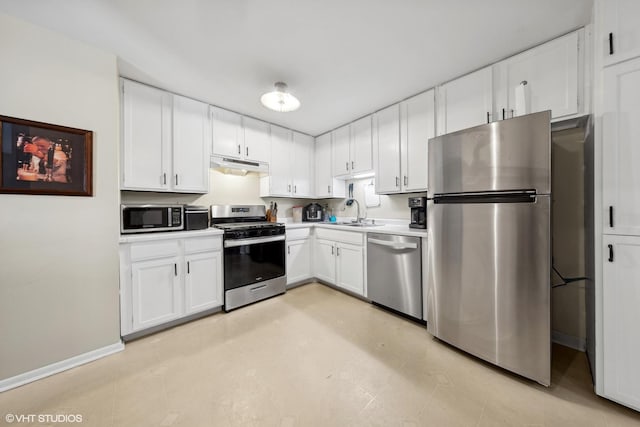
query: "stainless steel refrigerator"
489, 228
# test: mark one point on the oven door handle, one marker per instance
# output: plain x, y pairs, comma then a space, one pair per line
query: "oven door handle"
252, 241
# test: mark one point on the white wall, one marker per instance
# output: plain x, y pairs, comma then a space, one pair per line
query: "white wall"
59, 255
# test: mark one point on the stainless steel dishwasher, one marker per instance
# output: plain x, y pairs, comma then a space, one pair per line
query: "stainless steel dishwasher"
394, 272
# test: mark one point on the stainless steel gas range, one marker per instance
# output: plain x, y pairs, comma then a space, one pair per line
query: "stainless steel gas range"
254, 254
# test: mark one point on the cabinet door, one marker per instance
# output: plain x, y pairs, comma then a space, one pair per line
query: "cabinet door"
146, 142
257, 140
621, 299
280, 163
298, 260
155, 292
350, 268
302, 165
191, 145
551, 75
418, 125
388, 145
227, 133
361, 152
203, 281
465, 102
325, 184
340, 152
324, 177
620, 30
620, 135
325, 260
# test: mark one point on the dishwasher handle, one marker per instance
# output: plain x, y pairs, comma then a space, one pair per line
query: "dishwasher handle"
394, 245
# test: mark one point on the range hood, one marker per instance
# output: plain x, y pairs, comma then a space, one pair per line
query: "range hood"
237, 167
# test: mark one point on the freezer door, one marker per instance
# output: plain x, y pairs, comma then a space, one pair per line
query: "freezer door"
513, 154
488, 281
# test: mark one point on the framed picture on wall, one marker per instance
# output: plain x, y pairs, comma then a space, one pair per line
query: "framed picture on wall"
41, 158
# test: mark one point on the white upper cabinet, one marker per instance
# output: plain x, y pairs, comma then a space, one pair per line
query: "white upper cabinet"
341, 151
465, 102
227, 133
257, 140
621, 156
302, 165
146, 139
353, 148
326, 185
418, 126
620, 30
191, 144
388, 145
291, 165
361, 147
547, 77
279, 180
165, 143
402, 134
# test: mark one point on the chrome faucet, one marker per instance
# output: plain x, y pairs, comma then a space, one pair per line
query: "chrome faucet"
358, 217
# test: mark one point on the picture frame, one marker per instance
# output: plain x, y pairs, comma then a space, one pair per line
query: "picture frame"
46, 159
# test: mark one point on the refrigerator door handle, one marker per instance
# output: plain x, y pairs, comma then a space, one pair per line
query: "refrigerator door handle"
486, 198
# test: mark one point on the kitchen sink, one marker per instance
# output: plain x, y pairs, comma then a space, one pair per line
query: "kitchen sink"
355, 224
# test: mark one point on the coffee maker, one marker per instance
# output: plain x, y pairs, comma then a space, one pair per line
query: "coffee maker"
418, 207
312, 213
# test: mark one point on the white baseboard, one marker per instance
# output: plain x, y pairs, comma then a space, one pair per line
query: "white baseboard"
63, 365
570, 341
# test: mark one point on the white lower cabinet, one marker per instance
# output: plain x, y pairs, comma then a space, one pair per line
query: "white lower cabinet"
350, 267
155, 292
620, 315
167, 279
299, 255
339, 259
203, 280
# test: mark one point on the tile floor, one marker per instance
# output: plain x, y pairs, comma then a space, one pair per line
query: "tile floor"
312, 357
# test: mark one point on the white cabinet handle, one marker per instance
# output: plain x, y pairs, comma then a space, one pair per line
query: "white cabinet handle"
338, 251
328, 189
347, 166
247, 151
406, 180
239, 149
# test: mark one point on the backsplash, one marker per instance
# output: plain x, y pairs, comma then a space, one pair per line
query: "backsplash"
240, 190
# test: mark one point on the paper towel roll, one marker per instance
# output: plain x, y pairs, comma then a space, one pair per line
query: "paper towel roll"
522, 98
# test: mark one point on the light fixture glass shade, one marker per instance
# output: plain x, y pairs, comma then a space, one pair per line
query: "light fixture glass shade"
280, 100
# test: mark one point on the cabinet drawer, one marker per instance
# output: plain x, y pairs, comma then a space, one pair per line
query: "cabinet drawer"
298, 233
353, 237
202, 244
155, 249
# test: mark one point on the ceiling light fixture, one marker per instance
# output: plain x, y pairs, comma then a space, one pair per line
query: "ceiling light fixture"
279, 99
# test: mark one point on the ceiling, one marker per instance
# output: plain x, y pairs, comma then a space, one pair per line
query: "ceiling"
342, 58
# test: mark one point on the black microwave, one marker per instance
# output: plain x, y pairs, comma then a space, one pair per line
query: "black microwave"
147, 218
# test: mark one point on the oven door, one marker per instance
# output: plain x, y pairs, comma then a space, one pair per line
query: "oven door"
253, 260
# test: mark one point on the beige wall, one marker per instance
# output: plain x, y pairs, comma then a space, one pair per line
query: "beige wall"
568, 302
233, 189
59, 279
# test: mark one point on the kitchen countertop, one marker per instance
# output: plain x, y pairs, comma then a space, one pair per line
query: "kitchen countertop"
398, 228
144, 237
